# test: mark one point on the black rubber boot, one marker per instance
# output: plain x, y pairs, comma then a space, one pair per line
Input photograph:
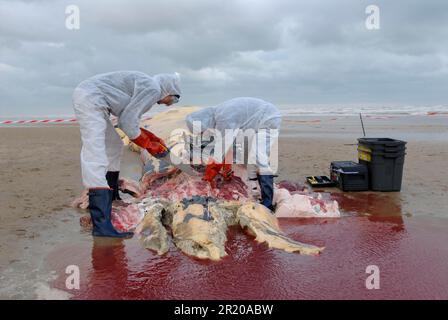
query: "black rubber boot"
100, 206
267, 190
112, 181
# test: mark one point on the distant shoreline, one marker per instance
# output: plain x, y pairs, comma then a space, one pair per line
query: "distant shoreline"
301, 111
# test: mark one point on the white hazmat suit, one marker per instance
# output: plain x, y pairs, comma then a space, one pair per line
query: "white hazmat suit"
124, 94
246, 114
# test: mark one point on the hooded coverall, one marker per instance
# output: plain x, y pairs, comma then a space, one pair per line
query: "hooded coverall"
124, 94
246, 113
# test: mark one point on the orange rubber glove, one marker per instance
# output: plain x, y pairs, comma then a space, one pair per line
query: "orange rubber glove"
149, 141
211, 171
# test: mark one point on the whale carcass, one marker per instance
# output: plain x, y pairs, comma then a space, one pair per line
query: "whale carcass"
168, 206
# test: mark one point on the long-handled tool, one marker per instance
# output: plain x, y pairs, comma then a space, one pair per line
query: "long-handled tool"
362, 124
177, 162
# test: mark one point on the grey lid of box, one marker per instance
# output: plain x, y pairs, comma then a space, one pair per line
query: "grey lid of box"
348, 167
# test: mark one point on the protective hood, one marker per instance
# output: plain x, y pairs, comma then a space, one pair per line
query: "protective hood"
206, 117
169, 84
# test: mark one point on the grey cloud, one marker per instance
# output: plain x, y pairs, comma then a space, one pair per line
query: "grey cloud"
286, 51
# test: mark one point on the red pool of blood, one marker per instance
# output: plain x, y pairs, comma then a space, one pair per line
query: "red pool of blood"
411, 253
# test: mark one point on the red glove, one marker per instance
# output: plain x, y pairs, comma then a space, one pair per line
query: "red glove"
152, 143
227, 172
152, 136
211, 171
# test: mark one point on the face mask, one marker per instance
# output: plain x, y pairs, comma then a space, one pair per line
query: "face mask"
174, 99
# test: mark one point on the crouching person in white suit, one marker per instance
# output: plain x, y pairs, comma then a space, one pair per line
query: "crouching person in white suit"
256, 115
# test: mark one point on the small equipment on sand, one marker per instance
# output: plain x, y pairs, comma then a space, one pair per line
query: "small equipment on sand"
350, 176
379, 167
320, 181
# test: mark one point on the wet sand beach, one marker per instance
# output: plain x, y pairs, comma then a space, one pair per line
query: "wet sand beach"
404, 233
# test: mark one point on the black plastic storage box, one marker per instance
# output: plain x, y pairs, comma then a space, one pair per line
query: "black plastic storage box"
349, 175
384, 157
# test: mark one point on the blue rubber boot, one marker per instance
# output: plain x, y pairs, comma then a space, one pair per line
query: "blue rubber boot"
267, 190
100, 206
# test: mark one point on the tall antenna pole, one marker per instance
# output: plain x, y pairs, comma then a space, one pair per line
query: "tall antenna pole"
362, 124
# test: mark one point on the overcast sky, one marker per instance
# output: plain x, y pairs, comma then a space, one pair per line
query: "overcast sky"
286, 51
